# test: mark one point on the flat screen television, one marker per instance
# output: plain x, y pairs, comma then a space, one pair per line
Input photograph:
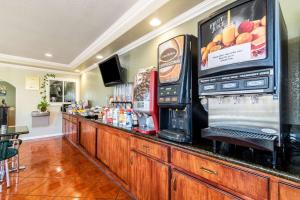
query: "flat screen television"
238, 37
112, 72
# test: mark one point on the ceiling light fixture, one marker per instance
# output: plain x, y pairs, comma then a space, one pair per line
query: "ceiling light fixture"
155, 22
49, 55
77, 70
99, 57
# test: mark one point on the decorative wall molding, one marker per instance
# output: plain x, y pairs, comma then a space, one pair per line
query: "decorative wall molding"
2, 65
184, 17
134, 15
30, 61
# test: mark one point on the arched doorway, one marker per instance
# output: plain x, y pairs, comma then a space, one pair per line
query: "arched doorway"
7, 103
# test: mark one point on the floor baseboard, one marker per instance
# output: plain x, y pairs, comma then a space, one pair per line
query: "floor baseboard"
42, 136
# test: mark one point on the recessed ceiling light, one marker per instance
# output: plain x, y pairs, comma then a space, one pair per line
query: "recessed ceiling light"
77, 70
49, 55
99, 57
155, 22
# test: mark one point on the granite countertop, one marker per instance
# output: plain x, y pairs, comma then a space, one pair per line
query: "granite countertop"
14, 130
256, 161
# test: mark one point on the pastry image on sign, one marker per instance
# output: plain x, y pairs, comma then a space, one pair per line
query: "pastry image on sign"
237, 35
170, 59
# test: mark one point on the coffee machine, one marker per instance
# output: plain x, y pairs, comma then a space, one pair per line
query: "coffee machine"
181, 114
242, 75
145, 101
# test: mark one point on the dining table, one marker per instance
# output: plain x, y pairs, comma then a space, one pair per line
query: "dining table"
13, 132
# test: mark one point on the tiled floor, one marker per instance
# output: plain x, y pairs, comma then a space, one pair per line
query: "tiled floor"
57, 170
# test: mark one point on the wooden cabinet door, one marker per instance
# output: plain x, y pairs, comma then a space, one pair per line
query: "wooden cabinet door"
288, 192
184, 187
149, 178
103, 145
119, 151
88, 138
74, 133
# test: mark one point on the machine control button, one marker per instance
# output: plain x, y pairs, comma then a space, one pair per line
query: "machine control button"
161, 99
167, 99
229, 85
255, 83
209, 87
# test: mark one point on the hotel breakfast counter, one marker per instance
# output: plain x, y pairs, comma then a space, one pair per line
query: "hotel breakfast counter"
230, 171
205, 148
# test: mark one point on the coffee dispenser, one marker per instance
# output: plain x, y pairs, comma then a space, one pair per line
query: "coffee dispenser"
181, 114
242, 75
145, 101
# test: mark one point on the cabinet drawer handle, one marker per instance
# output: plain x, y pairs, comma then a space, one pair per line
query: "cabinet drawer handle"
209, 171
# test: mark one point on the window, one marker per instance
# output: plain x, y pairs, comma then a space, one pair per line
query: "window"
62, 91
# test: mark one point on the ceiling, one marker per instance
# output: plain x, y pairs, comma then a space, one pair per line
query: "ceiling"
64, 28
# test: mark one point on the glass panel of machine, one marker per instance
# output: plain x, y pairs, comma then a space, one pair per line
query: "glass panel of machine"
235, 36
170, 59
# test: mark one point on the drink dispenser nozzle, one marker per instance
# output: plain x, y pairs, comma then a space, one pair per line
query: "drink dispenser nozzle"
236, 99
254, 99
220, 99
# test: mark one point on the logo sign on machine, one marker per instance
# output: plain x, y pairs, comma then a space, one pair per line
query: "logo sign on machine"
238, 35
170, 60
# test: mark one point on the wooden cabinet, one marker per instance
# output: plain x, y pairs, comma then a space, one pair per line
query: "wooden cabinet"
103, 145
156, 170
113, 151
184, 187
288, 192
152, 149
235, 179
69, 128
149, 178
88, 137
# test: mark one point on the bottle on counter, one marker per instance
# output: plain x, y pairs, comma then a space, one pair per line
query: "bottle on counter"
116, 114
129, 118
134, 119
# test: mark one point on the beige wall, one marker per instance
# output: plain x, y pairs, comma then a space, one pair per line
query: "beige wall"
27, 100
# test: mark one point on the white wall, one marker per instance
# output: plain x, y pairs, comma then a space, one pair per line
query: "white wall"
27, 100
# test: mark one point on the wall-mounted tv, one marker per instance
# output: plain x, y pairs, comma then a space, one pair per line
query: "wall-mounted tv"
239, 36
112, 72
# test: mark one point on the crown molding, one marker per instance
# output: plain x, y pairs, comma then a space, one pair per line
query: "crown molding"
30, 61
37, 69
197, 10
129, 19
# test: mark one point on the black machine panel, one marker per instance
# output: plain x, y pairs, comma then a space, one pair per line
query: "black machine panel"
259, 81
178, 100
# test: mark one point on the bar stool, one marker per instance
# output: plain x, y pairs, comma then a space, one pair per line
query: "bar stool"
5, 154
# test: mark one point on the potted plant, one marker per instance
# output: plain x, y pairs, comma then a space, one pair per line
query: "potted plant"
43, 105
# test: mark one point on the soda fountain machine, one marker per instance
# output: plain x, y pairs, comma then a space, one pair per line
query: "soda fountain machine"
145, 101
181, 114
242, 75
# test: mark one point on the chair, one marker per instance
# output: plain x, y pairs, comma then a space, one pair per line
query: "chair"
6, 153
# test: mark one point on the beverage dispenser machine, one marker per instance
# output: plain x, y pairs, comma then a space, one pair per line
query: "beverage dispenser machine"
145, 101
181, 114
242, 75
